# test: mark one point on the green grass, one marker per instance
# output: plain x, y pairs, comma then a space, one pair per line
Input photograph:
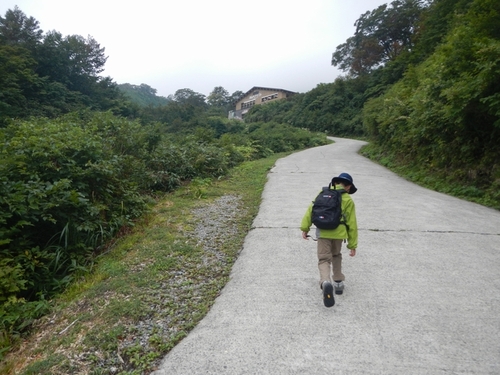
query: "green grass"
148, 291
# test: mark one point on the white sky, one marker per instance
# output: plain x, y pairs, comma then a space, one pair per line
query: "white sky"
201, 44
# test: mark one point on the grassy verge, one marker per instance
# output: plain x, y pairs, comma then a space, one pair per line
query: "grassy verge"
434, 179
152, 287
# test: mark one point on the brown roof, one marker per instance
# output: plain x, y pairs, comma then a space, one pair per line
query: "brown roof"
264, 88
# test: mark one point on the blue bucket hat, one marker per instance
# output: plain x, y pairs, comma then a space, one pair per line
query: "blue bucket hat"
346, 179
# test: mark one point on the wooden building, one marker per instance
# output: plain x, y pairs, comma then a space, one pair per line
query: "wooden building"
256, 96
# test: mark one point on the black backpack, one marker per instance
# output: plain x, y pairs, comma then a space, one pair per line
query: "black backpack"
327, 209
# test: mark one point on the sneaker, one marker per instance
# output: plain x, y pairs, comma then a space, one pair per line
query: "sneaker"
328, 297
339, 287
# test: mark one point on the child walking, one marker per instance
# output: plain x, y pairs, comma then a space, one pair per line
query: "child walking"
330, 240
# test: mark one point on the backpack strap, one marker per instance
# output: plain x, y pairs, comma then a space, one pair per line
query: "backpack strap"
343, 220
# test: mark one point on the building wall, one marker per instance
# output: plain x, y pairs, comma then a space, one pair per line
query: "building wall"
260, 96
255, 96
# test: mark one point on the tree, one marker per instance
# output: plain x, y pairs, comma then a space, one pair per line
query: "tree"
16, 29
437, 20
85, 55
235, 96
48, 75
220, 100
188, 96
17, 79
69, 59
76, 63
381, 36
143, 95
219, 97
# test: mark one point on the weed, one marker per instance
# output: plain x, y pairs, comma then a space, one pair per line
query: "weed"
199, 187
44, 366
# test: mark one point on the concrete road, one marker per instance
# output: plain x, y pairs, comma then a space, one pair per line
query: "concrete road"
422, 295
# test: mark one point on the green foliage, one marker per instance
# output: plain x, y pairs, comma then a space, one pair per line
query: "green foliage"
16, 80
444, 116
65, 191
72, 178
190, 97
158, 273
142, 95
436, 22
66, 187
283, 138
171, 163
15, 316
220, 100
69, 185
11, 281
330, 108
219, 97
45, 366
49, 75
177, 117
278, 111
381, 36
18, 29
199, 187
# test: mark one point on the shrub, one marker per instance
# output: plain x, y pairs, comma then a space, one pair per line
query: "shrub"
282, 137
63, 193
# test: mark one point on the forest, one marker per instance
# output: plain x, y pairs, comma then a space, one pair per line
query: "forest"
83, 157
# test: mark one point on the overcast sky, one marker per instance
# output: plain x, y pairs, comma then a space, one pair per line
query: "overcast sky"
201, 44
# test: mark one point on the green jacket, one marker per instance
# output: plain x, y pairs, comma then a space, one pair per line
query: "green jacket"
341, 232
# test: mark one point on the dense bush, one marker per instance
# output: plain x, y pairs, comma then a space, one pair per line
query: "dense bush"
282, 137
68, 185
64, 190
444, 115
333, 108
174, 162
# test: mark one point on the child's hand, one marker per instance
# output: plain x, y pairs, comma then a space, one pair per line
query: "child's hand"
304, 235
352, 252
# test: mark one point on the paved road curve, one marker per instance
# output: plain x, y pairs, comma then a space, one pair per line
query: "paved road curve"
422, 296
